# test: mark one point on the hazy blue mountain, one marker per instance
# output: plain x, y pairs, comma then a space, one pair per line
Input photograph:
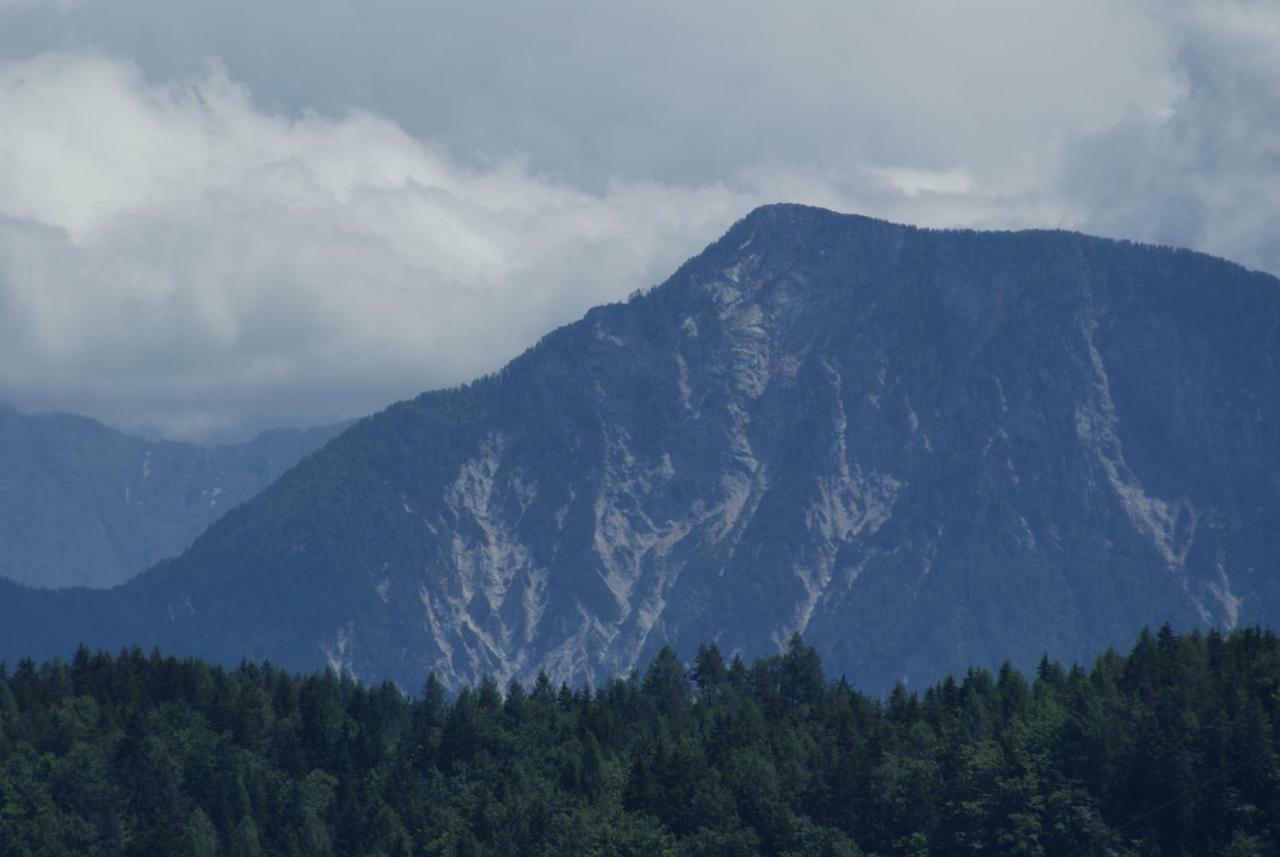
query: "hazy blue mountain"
84, 505
922, 449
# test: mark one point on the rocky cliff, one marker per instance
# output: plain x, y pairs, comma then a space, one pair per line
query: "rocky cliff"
924, 450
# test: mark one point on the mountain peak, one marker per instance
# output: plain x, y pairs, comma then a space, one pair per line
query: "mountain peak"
776, 214
926, 450
781, 219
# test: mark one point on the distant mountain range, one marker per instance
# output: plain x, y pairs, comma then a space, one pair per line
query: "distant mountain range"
84, 505
922, 449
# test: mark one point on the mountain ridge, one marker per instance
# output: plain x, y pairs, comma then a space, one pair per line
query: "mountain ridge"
924, 449
84, 504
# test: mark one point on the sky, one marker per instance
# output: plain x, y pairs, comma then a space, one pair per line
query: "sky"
219, 216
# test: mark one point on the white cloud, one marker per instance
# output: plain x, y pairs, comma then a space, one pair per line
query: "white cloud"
913, 182
205, 248
170, 256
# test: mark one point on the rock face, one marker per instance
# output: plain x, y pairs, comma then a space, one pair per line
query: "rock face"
83, 505
924, 450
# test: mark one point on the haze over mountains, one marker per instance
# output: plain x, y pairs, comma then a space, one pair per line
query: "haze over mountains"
925, 450
84, 505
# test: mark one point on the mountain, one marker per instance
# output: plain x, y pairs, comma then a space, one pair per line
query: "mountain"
922, 449
84, 505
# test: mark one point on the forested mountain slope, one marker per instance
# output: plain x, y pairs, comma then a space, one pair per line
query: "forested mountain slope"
84, 505
925, 450
1169, 750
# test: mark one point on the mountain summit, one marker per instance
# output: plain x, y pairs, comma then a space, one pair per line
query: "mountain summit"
923, 450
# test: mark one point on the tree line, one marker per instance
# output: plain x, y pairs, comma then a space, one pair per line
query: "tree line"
1169, 749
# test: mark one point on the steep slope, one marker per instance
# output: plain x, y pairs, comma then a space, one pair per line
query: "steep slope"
84, 505
922, 449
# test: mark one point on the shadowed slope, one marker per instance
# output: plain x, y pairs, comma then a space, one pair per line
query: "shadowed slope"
923, 449
84, 505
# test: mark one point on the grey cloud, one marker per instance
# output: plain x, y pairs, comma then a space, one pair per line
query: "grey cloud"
666, 91
1205, 173
199, 266
216, 216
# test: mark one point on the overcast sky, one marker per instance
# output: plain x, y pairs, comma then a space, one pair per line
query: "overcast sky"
221, 216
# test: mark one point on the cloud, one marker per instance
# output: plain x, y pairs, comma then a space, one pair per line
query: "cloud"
671, 91
172, 257
351, 205
11, 5
1205, 171
913, 182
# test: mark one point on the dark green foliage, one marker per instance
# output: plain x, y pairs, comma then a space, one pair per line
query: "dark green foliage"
1169, 750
